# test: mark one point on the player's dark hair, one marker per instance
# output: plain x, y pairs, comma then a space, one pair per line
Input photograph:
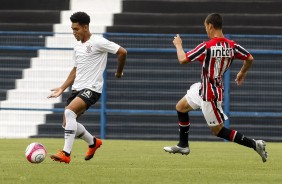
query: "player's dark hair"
215, 19
80, 17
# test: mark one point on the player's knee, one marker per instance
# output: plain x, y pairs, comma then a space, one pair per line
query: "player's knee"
178, 108
183, 108
69, 114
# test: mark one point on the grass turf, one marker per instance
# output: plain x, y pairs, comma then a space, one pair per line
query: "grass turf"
141, 162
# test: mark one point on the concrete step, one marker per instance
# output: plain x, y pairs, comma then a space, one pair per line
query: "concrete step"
22, 40
37, 84
18, 53
55, 73
65, 28
34, 5
61, 42
17, 131
22, 117
50, 64
30, 16
40, 27
7, 83
19, 94
55, 54
196, 19
10, 73
27, 104
183, 29
14, 62
113, 6
166, 7
96, 18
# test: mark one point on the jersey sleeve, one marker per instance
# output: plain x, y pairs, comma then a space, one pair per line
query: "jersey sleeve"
197, 53
108, 46
240, 52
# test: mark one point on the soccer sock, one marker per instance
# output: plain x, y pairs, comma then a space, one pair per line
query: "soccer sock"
83, 134
70, 130
184, 126
234, 136
94, 143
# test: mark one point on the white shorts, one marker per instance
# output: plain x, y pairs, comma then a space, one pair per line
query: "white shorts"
212, 111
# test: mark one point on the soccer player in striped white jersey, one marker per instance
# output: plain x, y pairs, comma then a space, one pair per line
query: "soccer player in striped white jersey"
215, 56
86, 78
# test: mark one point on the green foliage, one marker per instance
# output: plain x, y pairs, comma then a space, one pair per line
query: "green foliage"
141, 162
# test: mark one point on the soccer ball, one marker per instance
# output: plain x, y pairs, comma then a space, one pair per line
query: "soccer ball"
35, 152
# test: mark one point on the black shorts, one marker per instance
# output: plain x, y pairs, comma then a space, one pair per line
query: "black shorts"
88, 96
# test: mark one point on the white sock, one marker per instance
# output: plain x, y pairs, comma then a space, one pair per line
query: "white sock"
70, 130
83, 134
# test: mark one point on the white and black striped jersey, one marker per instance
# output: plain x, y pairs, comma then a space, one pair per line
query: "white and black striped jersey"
216, 56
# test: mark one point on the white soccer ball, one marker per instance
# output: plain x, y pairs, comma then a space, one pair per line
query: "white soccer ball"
35, 152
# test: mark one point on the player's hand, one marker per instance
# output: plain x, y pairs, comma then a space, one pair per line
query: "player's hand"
55, 92
118, 75
240, 78
177, 40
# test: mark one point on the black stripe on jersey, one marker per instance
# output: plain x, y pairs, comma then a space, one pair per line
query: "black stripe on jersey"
207, 59
242, 50
198, 53
214, 90
204, 73
226, 45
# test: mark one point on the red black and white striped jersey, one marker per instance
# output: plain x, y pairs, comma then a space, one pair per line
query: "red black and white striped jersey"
216, 56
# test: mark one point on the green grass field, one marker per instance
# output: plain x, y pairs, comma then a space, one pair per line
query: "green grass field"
145, 162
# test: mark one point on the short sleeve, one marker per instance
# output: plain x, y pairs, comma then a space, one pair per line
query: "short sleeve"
107, 46
240, 52
197, 53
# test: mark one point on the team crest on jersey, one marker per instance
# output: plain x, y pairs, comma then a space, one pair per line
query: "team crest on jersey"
87, 93
88, 49
219, 51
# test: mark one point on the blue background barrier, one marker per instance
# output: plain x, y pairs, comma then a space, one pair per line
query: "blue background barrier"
259, 100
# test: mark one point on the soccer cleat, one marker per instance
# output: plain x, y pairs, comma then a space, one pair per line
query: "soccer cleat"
91, 151
61, 157
260, 149
177, 149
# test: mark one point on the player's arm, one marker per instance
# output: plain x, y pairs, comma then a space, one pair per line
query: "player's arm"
181, 55
243, 72
121, 54
58, 91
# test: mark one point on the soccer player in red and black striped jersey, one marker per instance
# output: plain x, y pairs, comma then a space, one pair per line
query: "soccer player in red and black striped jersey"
216, 56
